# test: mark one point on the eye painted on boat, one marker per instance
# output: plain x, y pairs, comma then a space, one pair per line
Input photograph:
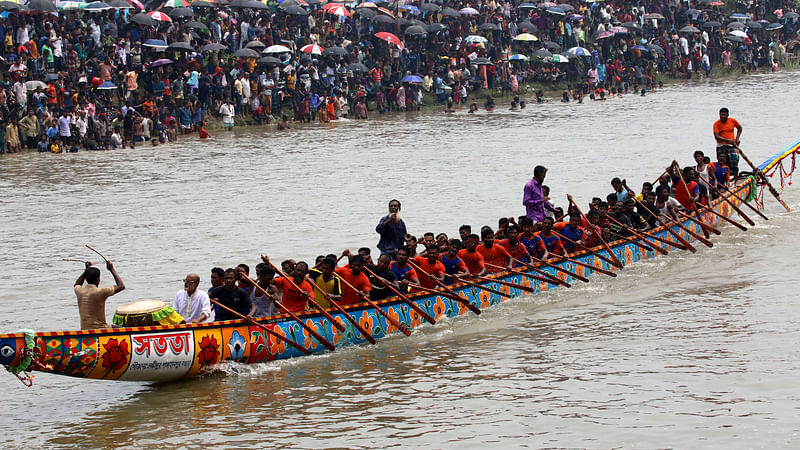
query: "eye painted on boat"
7, 351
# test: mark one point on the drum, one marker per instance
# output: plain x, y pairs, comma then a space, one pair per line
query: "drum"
146, 313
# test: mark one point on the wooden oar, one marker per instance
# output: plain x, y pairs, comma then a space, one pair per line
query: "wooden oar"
700, 222
253, 321
505, 283
617, 262
402, 297
73, 260
455, 297
380, 311
524, 274
478, 286
324, 312
101, 255
660, 239
675, 234
585, 247
695, 206
688, 230
589, 266
659, 177
367, 335
744, 202
548, 278
560, 269
725, 218
759, 173
463, 301
286, 310
733, 205
630, 230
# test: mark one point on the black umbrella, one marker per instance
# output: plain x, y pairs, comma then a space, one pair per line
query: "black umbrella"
689, 29
436, 27
482, 62
203, 4
120, 4
313, 2
256, 45
42, 5
196, 25
450, 12
11, 6
655, 48
383, 19
712, 24
294, 10
791, 15
180, 12
430, 7
527, 27
246, 53
334, 51
144, 19
632, 25
415, 30
565, 7
212, 47
542, 53
180, 46
736, 25
773, 27
358, 67
489, 27
269, 60
366, 13
246, 4
551, 44
754, 25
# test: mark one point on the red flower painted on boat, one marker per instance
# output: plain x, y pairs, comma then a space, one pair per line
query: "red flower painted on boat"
115, 356
276, 344
209, 350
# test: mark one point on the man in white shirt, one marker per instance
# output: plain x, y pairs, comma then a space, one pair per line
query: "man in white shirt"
227, 112
192, 304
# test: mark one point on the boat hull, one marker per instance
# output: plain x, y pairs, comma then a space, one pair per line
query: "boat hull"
168, 353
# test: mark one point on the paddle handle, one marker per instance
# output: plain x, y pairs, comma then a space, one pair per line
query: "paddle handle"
611, 253
402, 297
92, 249
399, 325
763, 177
547, 277
463, 301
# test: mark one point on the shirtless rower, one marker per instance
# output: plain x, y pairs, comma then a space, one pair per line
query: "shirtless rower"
92, 298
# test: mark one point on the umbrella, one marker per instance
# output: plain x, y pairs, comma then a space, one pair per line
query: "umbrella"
390, 38
196, 25
383, 19
415, 30
180, 12
212, 47
358, 67
256, 45
565, 7
773, 27
618, 30
526, 6
203, 4
269, 60
489, 27
410, 8
97, 7
160, 62
35, 84
525, 37
247, 4
11, 6
367, 13
245, 53
294, 10
689, 29
276, 49
557, 11
551, 45
569, 56
334, 51
712, 24
603, 35
791, 15
630, 25
468, 11
66, 6
159, 16
739, 33
430, 7
314, 49
655, 48
527, 27
653, 16
180, 46
754, 25
107, 85
736, 25
733, 38
176, 4
736, 16
542, 53
559, 59
367, 5
450, 12
640, 48
387, 12
155, 43
482, 62
579, 51
518, 57
411, 79
475, 39
436, 27
42, 5
336, 9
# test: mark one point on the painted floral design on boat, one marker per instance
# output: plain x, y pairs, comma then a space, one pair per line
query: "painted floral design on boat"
209, 350
115, 356
237, 345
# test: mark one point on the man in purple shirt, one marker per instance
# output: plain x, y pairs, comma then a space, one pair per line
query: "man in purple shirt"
534, 200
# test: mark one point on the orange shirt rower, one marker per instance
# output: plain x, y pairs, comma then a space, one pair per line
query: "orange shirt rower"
493, 254
472, 259
294, 300
353, 275
430, 263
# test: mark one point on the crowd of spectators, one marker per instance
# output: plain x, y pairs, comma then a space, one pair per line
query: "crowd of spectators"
99, 76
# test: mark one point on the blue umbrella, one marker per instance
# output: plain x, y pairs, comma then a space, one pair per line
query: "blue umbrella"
527, 5
411, 79
640, 47
107, 85
738, 16
774, 26
155, 43
518, 57
579, 51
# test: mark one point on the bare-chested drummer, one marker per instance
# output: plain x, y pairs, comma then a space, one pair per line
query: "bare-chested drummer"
92, 297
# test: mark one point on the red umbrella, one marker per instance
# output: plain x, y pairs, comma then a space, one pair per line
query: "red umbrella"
390, 38
161, 17
314, 49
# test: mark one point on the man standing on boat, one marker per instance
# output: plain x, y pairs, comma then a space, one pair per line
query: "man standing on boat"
727, 141
92, 298
533, 198
392, 230
192, 304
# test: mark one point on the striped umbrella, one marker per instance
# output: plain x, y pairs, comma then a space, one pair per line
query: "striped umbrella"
386, 11
468, 11
337, 10
159, 16
527, 37
314, 49
70, 6
579, 51
176, 4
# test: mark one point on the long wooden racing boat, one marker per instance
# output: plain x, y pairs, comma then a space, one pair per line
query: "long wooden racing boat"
173, 352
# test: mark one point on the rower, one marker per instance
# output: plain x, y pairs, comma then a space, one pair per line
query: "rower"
648, 210
621, 189
513, 246
365, 253
244, 269
464, 231
618, 214
354, 276
551, 242
493, 255
92, 298
646, 187
217, 275
431, 265
379, 290
265, 306
571, 230
233, 297
294, 300
324, 279
721, 172
472, 259
193, 305
402, 270
686, 190
635, 218
530, 240
667, 205
453, 264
